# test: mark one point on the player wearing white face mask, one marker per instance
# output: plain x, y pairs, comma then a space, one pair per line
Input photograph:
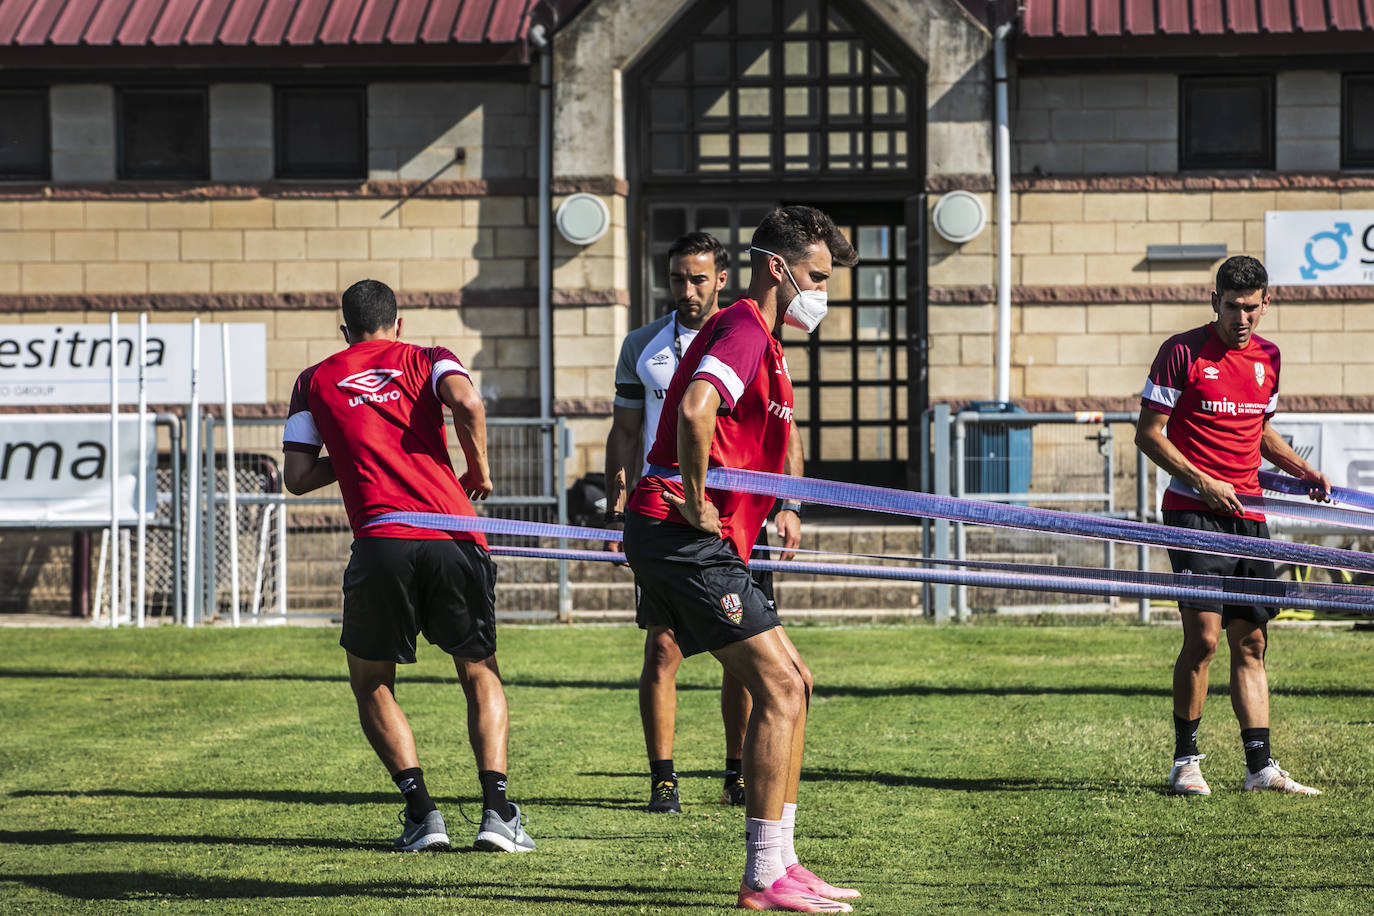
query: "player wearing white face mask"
730, 405
808, 308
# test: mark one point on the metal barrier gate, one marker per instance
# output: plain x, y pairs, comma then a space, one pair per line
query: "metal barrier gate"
1069, 461
294, 548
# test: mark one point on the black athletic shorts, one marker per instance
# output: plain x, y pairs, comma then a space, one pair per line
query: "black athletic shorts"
694, 583
1209, 564
763, 578
395, 588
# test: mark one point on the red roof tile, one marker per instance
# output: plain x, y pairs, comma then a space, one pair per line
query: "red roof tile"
423, 31
1100, 18
1153, 28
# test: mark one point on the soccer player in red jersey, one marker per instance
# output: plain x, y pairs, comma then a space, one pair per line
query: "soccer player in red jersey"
730, 405
377, 406
697, 272
1204, 418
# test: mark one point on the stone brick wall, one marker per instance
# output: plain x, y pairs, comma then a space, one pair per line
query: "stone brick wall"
1095, 124
1119, 124
271, 250
1308, 121
1090, 310
414, 131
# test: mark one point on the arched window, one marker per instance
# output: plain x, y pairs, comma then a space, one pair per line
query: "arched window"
743, 107
776, 89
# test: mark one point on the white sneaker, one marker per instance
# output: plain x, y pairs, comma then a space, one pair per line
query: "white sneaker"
497, 835
1273, 779
1185, 777
429, 833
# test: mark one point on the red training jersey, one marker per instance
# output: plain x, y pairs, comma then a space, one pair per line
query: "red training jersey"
376, 407
737, 353
1218, 399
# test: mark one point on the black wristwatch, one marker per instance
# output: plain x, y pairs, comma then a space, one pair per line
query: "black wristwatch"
790, 505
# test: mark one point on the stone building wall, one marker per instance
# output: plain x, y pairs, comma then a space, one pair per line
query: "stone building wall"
451, 260
1090, 310
1121, 124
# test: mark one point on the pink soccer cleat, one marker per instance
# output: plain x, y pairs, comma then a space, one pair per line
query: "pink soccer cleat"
808, 879
787, 894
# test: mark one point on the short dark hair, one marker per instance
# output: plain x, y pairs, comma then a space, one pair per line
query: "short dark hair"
701, 243
789, 231
367, 306
1240, 274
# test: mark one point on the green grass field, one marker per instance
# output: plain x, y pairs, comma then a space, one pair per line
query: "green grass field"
973, 769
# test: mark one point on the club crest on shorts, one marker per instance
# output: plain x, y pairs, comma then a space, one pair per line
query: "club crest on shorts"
734, 608
1259, 373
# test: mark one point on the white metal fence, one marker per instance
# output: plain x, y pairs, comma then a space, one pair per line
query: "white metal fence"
291, 550
1081, 462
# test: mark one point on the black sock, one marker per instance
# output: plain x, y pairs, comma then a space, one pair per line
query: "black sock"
734, 766
1185, 736
494, 793
412, 785
1256, 741
662, 770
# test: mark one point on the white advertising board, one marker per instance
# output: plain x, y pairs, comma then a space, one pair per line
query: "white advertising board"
1319, 247
1340, 445
62, 364
55, 469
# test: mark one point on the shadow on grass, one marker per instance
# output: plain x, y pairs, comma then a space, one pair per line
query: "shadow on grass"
309, 798
823, 691
283, 796
144, 885
990, 784
402, 677
72, 837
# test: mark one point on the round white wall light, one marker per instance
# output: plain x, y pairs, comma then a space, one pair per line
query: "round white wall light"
959, 217
583, 218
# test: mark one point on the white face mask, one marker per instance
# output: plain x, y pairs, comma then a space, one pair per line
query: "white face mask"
808, 307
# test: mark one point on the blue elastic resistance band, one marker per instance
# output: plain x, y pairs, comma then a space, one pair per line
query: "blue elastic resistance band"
1039, 583
969, 511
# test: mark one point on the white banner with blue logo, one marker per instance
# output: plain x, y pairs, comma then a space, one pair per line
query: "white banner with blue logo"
1341, 445
1319, 247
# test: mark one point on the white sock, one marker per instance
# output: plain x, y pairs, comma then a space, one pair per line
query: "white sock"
789, 823
763, 852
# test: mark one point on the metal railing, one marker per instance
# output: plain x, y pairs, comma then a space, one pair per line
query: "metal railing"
1068, 461
297, 546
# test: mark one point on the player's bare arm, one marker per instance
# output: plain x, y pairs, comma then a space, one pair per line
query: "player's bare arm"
1276, 449
1219, 495
622, 449
788, 522
304, 473
457, 393
696, 424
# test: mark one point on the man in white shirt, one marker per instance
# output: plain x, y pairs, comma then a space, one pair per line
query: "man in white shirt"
698, 269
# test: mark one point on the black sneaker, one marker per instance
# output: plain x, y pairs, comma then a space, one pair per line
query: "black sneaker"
733, 791
663, 797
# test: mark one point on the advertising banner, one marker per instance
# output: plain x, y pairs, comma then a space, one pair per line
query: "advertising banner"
55, 469
1340, 445
62, 364
1319, 247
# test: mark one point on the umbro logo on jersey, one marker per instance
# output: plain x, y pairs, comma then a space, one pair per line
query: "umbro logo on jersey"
660, 359
1211, 373
370, 380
